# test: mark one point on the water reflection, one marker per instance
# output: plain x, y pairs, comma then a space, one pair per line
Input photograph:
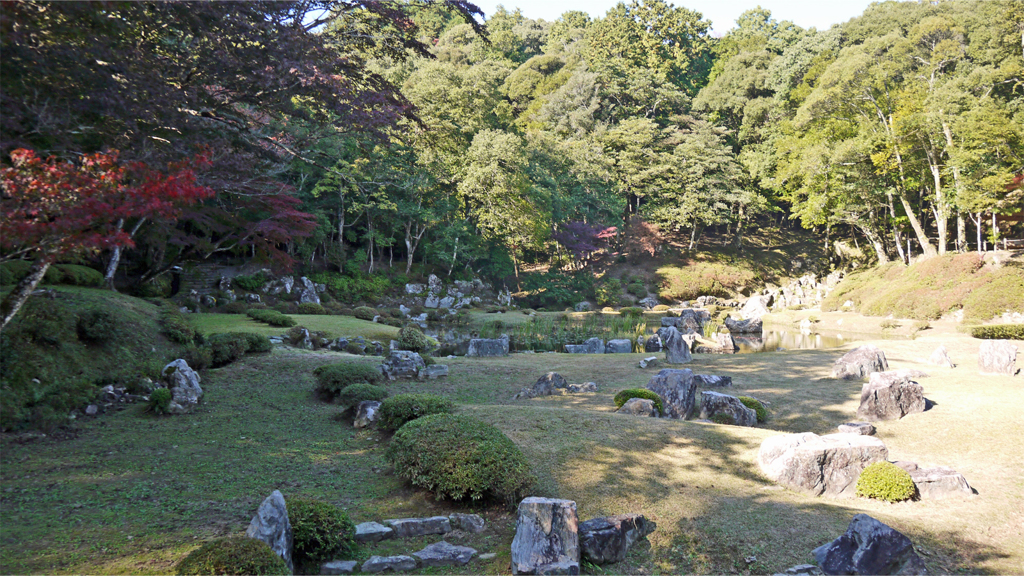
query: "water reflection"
776, 340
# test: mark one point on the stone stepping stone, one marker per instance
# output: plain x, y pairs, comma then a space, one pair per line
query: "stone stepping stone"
409, 527
338, 567
373, 532
394, 563
445, 554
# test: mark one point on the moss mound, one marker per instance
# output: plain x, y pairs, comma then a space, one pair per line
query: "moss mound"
885, 481
321, 532
397, 410
624, 396
233, 555
755, 405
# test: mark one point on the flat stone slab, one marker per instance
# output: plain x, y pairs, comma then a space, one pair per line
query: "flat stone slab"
821, 465
373, 532
473, 523
444, 554
712, 380
394, 563
937, 482
409, 527
862, 428
338, 567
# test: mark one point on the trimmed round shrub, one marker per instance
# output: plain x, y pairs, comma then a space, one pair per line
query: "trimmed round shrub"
397, 410
228, 347
272, 317
624, 396
352, 395
159, 401
97, 326
458, 457
634, 311
364, 313
885, 481
333, 378
321, 531
413, 339
256, 343
233, 555
755, 405
311, 308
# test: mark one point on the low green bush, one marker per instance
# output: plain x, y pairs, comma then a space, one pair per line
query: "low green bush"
13, 271
353, 287
159, 287
885, 481
198, 357
256, 343
233, 308
320, 532
311, 308
77, 275
228, 347
637, 289
459, 457
607, 292
352, 395
333, 378
428, 360
397, 410
755, 405
412, 338
355, 348
97, 326
159, 401
233, 555
889, 324
272, 317
625, 302
176, 326
661, 308
634, 311
364, 313
999, 332
624, 396
251, 283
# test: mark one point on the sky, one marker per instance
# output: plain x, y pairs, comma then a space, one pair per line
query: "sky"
821, 14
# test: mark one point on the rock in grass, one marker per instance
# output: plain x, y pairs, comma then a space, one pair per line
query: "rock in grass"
619, 346
488, 347
938, 482
821, 465
338, 567
444, 554
869, 547
889, 396
712, 380
607, 540
472, 523
676, 349
940, 357
650, 362
366, 413
860, 362
409, 527
589, 346
434, 371
402, 364
997, 357
581, 388
373, 532
547, 537
639, 407
862, 428
678, 391
394, 563
714, 403
271, 525
183, 382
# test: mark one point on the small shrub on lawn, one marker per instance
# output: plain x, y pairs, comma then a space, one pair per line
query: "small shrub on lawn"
272, 317
233, 555
228, 347
607, 310
637, 289
459, 457
397, 410
660, 308
176, 326
412, 338
257, 343
198, 357
333, 378
355, 348
97, 327
999, 332
885, 481
625, 302
608, 291
352, 395
321, 531
624, 396
364, 313
755, 405
159, 401
311, 308
633, 311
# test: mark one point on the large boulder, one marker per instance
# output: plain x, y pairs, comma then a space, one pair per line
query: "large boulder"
755, 307
653, 344
547, 385
821, 465
487, 347
713, 403
676, 349
589, 346
402, 364
726, 342
639, 407
619, 346
937, 482
183, 382
688, 324
607, 540
860, 362
997, 357
547, 538
940, 357
889, 396
307, 291
749, 326
869, 547
271, 525
678, 391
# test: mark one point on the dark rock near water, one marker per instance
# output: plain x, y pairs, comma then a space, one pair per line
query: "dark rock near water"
653, 344
488, 347
619, 346
589, 346
750, 326
869, 547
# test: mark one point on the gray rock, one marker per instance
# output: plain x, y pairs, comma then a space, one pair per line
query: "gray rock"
547, 538
434, 284
394, 563
801, 570
415, 289
938, 482
940, 357
755, 307
582, 388
447, 302
889, 396
639, 407
92, 410
208, 301
869, 547
408, 527
676, 349
862, 428
821, 465
589, 346
860, 362
403, 364
252, 298
373, 532
582, 306
434, 371
651, 362
653, 344
713, 403
488, 556
444, 554
678, 391
607, 540
367, 413
619, 346
712, 380
547, 385
431, 301
750, 326
726, 342
338, 567
307, 291
997, 357
487, 347
648, 302
472, 523
271, 525
183, 382
688, 324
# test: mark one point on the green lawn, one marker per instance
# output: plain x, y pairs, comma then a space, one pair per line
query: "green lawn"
335, 325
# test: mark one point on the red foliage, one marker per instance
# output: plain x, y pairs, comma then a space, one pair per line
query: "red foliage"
52, 207
641, 237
